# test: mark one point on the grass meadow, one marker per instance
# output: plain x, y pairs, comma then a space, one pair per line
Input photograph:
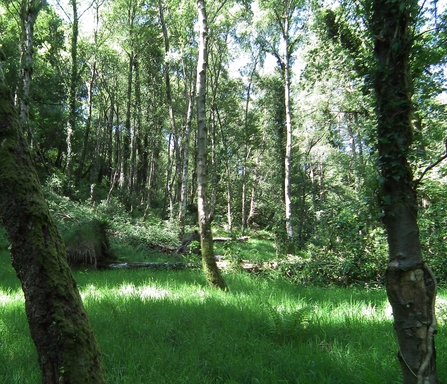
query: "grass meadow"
169, 327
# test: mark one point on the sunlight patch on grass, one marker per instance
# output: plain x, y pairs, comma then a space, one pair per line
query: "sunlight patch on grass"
9, 297
352, 312
126, 290
144, 292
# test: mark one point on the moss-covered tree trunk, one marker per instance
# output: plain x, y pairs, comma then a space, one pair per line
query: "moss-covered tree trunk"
66, 346
211, 270
411, 286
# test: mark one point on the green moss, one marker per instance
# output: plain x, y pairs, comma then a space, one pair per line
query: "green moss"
212, 273
57, 318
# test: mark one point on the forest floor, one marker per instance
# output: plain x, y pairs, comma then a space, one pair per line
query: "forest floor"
169, 327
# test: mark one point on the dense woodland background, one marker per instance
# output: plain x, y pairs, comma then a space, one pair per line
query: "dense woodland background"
106, 92
310, 136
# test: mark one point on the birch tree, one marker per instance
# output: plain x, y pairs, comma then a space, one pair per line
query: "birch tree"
211, 270
286, 19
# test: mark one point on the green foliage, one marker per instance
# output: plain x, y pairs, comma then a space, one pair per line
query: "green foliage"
129, 237
433, 226
88, 245
287, 325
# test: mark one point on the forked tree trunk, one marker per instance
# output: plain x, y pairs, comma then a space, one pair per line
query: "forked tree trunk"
211, 270
411, 286
66, 346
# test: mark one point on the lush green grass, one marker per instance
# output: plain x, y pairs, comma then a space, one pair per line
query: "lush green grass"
256, 249
169, 327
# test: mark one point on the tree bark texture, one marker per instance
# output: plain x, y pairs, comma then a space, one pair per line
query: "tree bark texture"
411, 286
211, 270
66, 346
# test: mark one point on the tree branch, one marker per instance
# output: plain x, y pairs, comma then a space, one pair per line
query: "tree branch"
431, 166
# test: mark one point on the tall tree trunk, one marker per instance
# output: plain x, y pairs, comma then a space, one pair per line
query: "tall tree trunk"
211, 270
411, 286
126, 178
185, 166
66, 346
71, 126
135, 137
288, 158
229, 199
172, 187
88, 125
247, 154
29, 12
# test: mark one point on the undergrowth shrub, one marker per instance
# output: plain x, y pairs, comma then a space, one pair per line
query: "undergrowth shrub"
286, 325
88, 245
432, 221
322, 267
121, 228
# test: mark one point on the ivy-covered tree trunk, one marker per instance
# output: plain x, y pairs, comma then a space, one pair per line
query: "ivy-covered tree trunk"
411, 286
66, 346
211, 270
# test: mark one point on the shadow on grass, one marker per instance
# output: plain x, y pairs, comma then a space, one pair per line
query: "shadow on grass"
169, 327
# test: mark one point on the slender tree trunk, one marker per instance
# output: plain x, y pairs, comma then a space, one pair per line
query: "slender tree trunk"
135, 136
71, 126
411, 286
246, 157
175, 136
29, 12
288, 158
66, 346
126, 160
255, 182
229, 199
211, 270
88, 125
185, 167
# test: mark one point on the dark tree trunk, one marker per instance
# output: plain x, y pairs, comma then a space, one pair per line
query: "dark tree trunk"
66, 346
411, 286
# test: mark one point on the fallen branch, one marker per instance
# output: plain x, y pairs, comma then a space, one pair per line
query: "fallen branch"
242, 239
150, 265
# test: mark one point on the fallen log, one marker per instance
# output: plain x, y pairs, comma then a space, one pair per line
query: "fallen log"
162, 265
242, 239
151, 265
